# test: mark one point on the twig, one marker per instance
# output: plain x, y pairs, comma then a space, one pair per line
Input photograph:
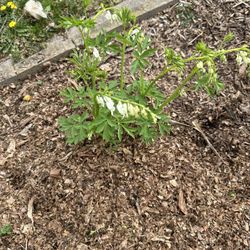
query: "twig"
173, 122
198, 128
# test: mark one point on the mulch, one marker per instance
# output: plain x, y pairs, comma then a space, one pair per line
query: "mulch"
175, 193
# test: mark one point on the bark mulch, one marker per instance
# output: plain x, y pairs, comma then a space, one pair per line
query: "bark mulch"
173, 194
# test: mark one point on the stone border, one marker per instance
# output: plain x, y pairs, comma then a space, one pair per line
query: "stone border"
61, 45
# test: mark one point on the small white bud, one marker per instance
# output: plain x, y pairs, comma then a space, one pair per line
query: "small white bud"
96, 53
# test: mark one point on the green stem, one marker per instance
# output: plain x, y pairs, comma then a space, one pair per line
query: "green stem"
178, 90
122, 65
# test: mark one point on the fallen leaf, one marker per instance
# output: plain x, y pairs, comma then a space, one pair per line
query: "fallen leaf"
30, 209
182, 203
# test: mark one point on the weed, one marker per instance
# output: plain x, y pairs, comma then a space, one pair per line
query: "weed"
5, 230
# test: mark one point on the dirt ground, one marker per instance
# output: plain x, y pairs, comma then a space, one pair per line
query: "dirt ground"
173, 194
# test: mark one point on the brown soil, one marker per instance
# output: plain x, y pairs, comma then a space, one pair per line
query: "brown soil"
173, 194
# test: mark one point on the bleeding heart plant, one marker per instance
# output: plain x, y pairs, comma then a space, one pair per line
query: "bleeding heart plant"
114, 108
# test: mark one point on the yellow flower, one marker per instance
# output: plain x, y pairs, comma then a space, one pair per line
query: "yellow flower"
2, 8
11, 5
12, 24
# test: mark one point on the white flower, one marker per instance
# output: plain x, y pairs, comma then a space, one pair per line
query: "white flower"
122, 108
109, 104
96, 53
134, 32
154, 117
144, 113
100, 101
35, 9
133, 110
111, 17
108, 15
242, 58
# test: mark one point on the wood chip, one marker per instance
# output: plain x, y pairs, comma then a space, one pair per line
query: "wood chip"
30, 209
182, 203
55, 172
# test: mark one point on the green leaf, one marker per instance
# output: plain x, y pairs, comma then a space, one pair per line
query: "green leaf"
228, 37
134, 66
75, 127
148, 53
119, 133
129, 131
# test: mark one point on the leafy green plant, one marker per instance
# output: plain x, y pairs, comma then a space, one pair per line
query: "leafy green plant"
5, 230
132, 105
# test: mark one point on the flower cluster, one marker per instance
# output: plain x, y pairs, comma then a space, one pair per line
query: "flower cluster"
243, 58
111, 17
10, 5
6, 7
126, 108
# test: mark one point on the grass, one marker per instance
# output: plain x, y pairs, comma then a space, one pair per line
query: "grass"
28, 35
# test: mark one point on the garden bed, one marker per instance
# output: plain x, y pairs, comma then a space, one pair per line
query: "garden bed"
173, 194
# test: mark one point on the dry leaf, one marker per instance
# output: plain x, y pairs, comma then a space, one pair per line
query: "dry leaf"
30, 209
181, 203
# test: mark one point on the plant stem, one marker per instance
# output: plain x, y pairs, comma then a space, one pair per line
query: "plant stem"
178, 90
122, 65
